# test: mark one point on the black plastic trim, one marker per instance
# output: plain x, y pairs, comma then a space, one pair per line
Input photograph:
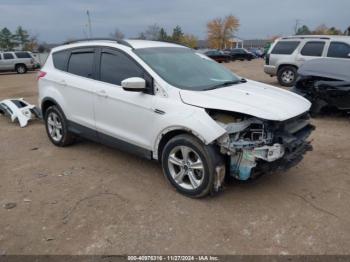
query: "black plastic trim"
107, 140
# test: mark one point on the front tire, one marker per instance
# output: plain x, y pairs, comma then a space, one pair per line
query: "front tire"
189, 165
287, 76
57, 127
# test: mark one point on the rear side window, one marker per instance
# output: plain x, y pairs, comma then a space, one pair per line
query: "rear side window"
339, 50
60, 60
81, 64
285, 47
116, 67
8, 56
22, 55
313, 48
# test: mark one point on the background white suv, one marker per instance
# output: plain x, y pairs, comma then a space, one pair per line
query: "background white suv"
165, 102
287, 54
20, 62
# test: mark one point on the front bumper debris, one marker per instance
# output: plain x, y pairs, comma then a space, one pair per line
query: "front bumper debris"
18, 109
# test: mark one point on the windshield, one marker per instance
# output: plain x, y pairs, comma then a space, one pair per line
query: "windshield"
185, 69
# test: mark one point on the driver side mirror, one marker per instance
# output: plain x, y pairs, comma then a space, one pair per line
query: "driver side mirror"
134, 84
349, 55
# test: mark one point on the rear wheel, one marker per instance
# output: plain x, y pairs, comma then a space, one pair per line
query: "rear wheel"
287, 76
21, 69
189, 165
57, 127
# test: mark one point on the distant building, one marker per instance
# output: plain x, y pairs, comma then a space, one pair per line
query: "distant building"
238, 43
255, 43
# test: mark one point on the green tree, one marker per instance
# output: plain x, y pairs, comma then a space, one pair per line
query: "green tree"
177, 34
163, 36
304, 30
6, 39
21, 36
334, 31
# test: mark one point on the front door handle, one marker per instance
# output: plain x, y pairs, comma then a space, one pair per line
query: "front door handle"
102, 93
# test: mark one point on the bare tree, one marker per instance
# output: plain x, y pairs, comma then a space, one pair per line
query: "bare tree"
152, 32
117, 34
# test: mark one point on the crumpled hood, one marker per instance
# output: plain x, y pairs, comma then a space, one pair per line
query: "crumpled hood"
251, 98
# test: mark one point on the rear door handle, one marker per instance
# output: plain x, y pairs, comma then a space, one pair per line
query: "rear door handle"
102, 93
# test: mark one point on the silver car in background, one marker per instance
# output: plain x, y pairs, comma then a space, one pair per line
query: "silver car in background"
19, 62
287, 54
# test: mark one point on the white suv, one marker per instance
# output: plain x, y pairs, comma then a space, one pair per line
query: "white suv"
166, 102
287, 54
20, 62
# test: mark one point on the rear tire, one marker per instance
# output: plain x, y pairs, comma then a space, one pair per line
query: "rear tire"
287, 76
21, 69
57, 127
189, 165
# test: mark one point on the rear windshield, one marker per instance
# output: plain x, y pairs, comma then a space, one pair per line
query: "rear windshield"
23, 55
285, 47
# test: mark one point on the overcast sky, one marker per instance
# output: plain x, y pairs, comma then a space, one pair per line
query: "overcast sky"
57, 20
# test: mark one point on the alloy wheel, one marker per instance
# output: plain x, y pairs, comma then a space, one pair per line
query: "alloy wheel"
186, 167
54, 125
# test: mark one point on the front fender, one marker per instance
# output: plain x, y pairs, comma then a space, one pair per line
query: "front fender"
199, 123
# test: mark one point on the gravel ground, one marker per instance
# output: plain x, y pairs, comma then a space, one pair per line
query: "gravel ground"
90, 199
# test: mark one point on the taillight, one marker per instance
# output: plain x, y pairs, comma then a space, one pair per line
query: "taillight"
32, 61
41, 74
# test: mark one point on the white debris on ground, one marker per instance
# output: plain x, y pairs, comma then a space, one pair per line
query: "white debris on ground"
20, 110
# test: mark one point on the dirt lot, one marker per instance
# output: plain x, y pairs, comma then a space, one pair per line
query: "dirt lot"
90, 199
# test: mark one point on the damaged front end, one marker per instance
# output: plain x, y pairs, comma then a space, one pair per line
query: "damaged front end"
255, 146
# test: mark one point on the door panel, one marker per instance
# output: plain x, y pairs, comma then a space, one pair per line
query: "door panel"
123, 114
79, 87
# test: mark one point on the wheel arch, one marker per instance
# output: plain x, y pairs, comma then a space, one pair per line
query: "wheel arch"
285, 65
168, 134
18, 64
46, 103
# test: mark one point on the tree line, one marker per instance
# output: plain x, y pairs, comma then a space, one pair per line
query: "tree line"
155, 32
319, 30
220, 31
20, 39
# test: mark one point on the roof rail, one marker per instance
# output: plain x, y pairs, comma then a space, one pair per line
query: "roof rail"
307, 37
119, 41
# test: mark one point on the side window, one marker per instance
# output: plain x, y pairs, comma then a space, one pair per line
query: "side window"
116, 67
60, 60
285, 47
8, 56
81, 64
339, 50
313, 48
23, 55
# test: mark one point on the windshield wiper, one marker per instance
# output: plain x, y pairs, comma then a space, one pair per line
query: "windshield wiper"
223, 84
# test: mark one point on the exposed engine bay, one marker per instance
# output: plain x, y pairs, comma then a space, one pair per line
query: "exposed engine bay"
255, 146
